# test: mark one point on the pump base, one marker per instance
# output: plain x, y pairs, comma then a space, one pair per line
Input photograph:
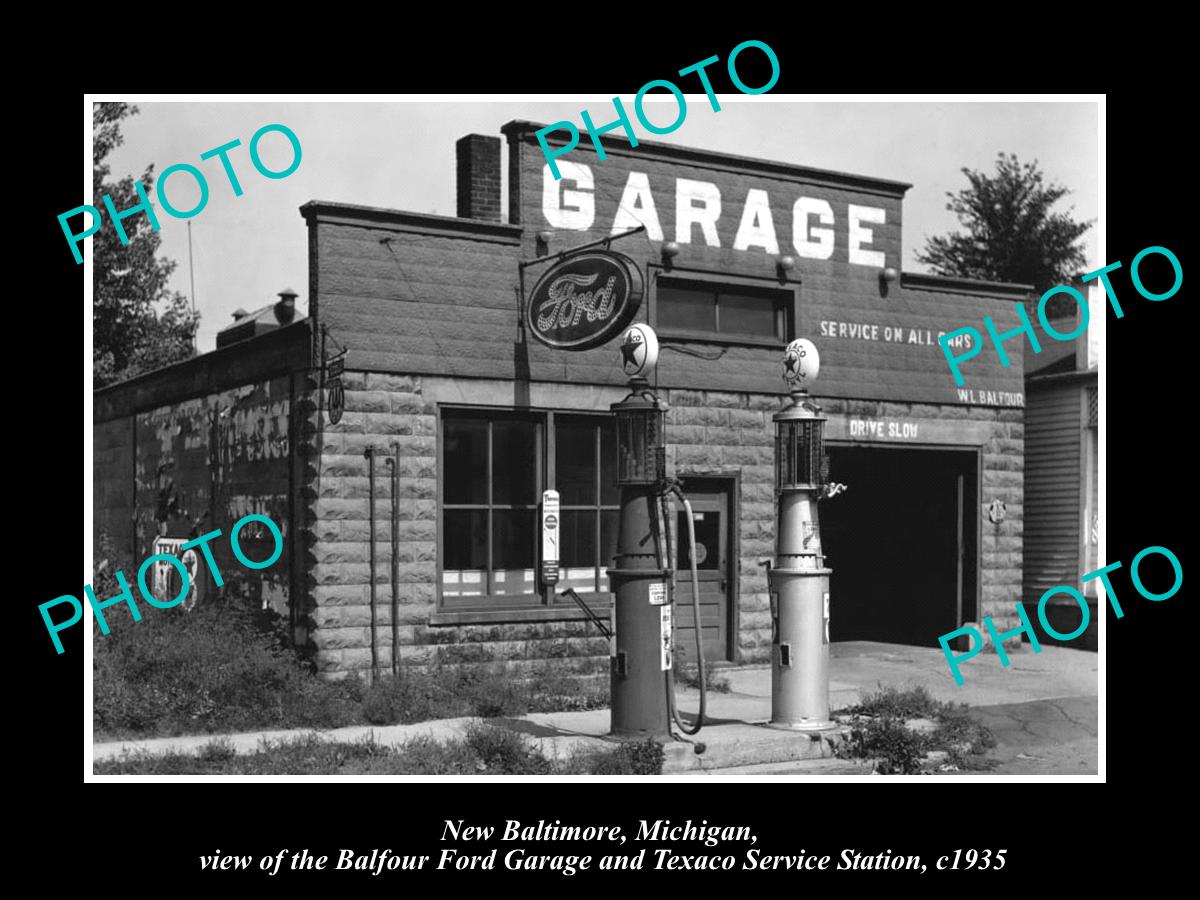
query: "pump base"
804, 725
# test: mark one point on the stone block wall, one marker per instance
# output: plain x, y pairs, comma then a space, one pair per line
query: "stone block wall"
112, 485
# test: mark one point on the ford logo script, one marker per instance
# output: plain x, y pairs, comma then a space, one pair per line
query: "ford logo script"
584, 300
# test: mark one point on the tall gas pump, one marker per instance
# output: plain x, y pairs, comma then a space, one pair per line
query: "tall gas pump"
642, 579
799, 580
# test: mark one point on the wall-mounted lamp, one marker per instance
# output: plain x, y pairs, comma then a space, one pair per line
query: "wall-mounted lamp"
543, 242
785, 264
887, 277
670, 250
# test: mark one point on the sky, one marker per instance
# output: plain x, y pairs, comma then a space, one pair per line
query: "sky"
399, 154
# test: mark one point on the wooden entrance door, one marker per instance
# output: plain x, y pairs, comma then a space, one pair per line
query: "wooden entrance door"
711, 518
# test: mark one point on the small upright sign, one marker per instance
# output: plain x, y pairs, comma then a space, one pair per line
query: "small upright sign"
666, 639
166, 584
333, 384
550, 531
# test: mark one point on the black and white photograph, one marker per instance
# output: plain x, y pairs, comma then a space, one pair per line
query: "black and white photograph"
699, 436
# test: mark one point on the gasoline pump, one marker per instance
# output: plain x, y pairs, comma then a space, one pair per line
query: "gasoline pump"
799, 580
642, 580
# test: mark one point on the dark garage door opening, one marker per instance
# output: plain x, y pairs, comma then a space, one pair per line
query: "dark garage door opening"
902, 542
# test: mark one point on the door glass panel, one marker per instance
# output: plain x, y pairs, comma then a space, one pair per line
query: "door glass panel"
708, 545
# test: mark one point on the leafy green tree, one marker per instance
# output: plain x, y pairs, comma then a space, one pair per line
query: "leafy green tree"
138, 323
1012, 233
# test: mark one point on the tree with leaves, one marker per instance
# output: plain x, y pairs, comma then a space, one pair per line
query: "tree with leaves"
1012, 232
138, 323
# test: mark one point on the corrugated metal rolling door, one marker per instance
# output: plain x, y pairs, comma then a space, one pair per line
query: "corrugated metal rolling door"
1052, 489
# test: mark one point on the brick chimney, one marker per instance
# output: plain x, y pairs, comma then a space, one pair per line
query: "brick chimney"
478, 177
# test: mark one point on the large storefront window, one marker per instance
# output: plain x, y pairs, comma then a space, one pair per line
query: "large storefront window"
494, 468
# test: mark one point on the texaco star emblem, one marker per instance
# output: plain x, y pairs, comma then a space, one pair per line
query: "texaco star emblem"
791, 367
629, 354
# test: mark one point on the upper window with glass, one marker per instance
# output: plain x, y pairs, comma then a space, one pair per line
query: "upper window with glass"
723, 312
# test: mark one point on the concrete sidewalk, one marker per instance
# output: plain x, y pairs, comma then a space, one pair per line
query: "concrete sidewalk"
734, 734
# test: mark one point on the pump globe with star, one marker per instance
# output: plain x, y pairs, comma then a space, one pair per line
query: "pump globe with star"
801, 364
639, 350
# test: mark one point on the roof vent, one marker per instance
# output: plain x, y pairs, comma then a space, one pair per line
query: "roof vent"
285, 309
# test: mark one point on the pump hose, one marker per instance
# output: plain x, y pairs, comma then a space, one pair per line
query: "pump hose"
687, 506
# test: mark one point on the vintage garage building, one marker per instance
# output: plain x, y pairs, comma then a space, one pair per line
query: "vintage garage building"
445, 387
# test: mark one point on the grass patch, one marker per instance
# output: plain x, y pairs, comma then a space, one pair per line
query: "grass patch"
896, 749
222, 667
483, 750
631, 758
879, 732
906, 703
450, 692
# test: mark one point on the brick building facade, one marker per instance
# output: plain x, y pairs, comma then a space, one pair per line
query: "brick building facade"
478, 418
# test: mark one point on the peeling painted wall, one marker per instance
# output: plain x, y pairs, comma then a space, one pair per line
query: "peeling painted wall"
112, 486
204, 463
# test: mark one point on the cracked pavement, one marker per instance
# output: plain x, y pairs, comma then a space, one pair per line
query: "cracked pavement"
1043, 737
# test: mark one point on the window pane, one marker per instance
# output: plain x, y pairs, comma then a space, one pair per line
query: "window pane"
688, 309
575, 461
464, 537
514, 581
609, 492
749, 314
579, 551
464, 583
608, 543
464, 461
512, 538
514, 463
578, 546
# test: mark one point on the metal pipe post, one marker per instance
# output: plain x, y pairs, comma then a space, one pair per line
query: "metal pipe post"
369, 453
395, 461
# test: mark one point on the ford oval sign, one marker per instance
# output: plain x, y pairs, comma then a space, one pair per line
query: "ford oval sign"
585, 300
